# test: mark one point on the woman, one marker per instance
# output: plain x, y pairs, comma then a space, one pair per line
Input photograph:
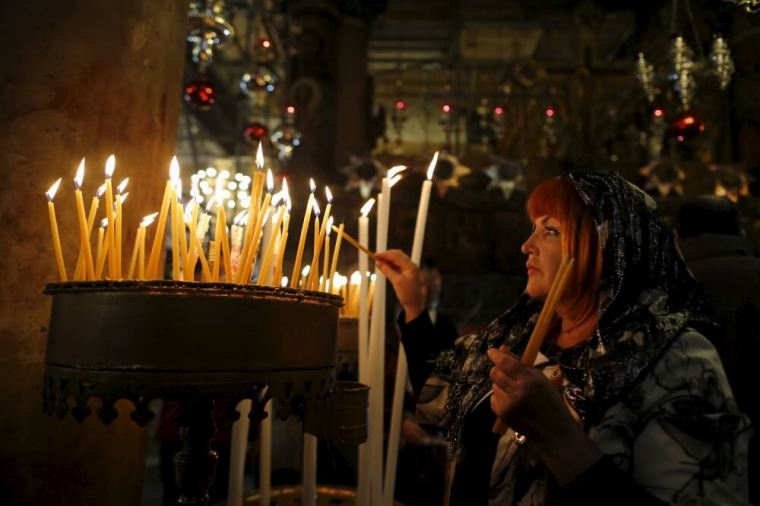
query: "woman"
657, 422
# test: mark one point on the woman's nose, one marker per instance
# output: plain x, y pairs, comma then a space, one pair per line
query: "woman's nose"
528, 246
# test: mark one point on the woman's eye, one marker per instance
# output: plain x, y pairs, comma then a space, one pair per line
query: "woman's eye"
551, 231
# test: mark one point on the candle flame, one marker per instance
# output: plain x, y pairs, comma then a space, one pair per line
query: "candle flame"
393, 171
305, 270
394, 180
101, 190
285, 188
356, 278
329, 195
288, 202
53, 190
122, 198
276, 198
79, 178
147, 220
270, 180
373, 277
210, 203
367, 207
110, 166
122, 186
104, 223
189, 210
312, 185
330, 222
316, 208
284, 281
238, 217
260, 157
431, 167
174, 169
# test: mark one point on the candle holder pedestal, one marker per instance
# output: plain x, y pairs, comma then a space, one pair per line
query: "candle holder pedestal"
193, 343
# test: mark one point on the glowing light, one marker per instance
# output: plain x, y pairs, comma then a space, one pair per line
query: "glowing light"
110, 166
312, 185
659, 113
174, 169
329, 195
53, 190
367, 207
104, 223
284, 282
290, 109
305, 270
122, 186
147, 220
101, 190
260, 157
316, 208
446, 108
550, 112
270, 181
400, 105
356, 278
498, 110
431, 167
211, 172
79, 178
396, 169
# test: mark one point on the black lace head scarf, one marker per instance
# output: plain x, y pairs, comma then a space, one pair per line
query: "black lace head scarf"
646, 299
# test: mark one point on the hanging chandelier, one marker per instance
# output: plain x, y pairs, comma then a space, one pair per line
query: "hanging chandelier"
684, 66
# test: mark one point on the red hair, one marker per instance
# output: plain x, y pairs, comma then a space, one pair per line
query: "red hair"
558, 199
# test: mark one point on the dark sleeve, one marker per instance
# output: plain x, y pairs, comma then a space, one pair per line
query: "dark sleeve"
605, 483
422, 344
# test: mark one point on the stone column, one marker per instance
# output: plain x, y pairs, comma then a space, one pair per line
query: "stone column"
85, 78
353, 100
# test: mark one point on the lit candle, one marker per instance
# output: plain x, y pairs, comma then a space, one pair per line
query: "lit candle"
257, 187
302, 239
336, 253
226, 257
177, 227
110, 235
158, 239
314, 275
218, 232
324, 284
147, 221
100, 255
353, 293
265, 272
401, 365
90, 222
84, 239
187, 217
376, 361
304, 275
283, 237
255, 240
191, 226
236, 240
139, 241
119, 219
50, 194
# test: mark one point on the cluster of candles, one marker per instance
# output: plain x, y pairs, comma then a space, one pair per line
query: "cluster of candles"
257, 237
260, 234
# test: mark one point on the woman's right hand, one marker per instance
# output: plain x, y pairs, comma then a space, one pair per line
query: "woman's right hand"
406, 279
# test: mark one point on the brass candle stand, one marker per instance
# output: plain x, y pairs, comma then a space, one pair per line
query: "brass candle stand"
193, 343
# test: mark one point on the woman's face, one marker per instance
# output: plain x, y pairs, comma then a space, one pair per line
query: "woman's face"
544, 250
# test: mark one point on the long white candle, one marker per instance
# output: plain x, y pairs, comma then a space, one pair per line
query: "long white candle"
238, 447
377, 344
363, 474
401, 366
265, 458
309, 497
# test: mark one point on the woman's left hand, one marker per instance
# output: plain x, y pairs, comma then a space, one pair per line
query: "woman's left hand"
525, 400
